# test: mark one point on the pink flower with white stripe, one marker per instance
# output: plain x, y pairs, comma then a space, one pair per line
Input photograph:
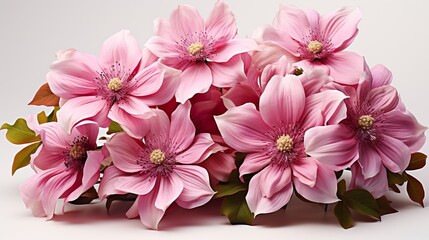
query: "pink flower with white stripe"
67, 166
120, 85
162, 168
207, 52
273, 137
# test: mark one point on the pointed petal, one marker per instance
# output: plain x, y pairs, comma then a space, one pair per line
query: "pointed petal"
227, 74
88, 129
273, 179
376, 185
170, 188
124, 151
182, 130
134, 126
108, 182
91, 169
305, 170
121, 48
232, 48
135, 107
394, 154
46, 159
163, 48
196, 186
369, 160
54, 138
150, 215
221, 23
333, 145
195, 79
324, 189
384, 98
148, 80
292, 21
192, 155
345, 67
283, 101
186, 20
381, 76
239, 95
219, 165
139, 184
242, 128
254, 162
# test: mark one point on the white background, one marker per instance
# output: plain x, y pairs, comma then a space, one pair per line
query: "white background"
394, 33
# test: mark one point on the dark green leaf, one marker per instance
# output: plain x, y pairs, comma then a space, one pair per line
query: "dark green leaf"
418, 160
227, 189
114, 128
22, 158
341, 189
362, 202
339, 174
395, 178
119, 197
343, 214
19, 133
44, 96
415, 190
384, 206
86, 197
53, 115
236, 209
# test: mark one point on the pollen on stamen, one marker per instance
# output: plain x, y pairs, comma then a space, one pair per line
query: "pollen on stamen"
77, 151
284, 143
157, 156
115, 84
314, 46
195, 48
366, 122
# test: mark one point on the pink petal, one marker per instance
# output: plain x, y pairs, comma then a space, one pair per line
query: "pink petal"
134, 126
232, 48
139, 184
243, 129
273, 179
324, 189
186, 20
219, 165
405, 127
196, 187
341, 26
221, 23
253, 162
88, 129
136, 107
54, 138
259, 204
74, 75
394, 154
292, 21
170, 188
91, 169
159, 125
182, 130
197, 78
148, 80
46, 159
148, 58
239, 95
384, 98
124, 151
314, 80
227, 74
121, 48
150, 215
345, 67
283, 101
304, 170
163, 48
381, 76
333, 145
369, 160
84, 108
376, 185
192, 155
108, 182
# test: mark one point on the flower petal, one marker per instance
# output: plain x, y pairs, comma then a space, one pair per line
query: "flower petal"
227, 74
333, 145
121, 51
54, 138
283, 101
170, 188
202, 142
163, 48
380, 76
196, 187
219, 165
139, 184
124, 151
376, 185
150, 215
108, 182
292, 21
384, 98
221, 23
394, 154
239, 95
253, 162
232, 48
46, 159
273, 178
345, 67
197, 78
91, 169
242, 128
186, 20
182, 130
305, 170
134, 126
369, 160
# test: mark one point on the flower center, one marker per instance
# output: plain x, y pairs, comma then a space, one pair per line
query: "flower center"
78, 151
284, 143
115, 84
314, 46
366, 121
195, 48
157, 156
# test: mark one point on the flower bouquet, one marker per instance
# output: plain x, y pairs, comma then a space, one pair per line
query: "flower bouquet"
200, 114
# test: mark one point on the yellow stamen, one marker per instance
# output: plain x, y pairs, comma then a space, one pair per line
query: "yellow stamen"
284, 143
314, 46
157, 156
115, 84
366, 121
195, 48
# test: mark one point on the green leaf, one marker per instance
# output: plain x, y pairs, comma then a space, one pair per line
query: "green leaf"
395, 178
415, 190
22, 158
114, 127
19, 133
42, 118
236, 209
228, 189
341, 189
384, 206
418, 160
53, 115
86, 197
362, 202
343, 215
129, 197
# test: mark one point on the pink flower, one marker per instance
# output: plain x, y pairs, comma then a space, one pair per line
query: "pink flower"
207, 52
319, 41
273, 137
161, 169
67, 166
377, 133
120, 85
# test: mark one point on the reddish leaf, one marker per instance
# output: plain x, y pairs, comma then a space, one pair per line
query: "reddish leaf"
415, 190
384, 205
418, 160
45, 97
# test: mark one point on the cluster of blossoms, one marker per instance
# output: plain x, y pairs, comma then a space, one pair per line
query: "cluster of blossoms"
286, 111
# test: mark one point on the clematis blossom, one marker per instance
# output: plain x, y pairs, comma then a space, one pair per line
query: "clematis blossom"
207, 52
379, 132
67, 165
120, 85
161, 169
318, 41
273, 139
